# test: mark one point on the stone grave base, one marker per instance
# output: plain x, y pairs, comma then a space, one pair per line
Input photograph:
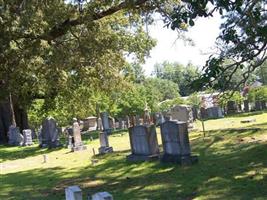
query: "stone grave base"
78, 148
247, 120
136, 158
28, 144
50, 145
182, 160
104, 150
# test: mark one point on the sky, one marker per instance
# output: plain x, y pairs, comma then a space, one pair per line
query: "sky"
170, 48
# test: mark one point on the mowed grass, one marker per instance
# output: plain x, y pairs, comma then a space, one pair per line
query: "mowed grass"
232, 165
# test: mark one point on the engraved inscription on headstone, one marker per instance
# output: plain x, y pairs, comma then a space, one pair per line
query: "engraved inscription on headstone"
175, 141
27, 137
144, 143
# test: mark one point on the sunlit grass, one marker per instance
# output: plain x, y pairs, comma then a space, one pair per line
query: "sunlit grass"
232, 165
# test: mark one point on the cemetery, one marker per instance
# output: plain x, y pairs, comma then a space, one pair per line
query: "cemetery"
231, 153
133, 100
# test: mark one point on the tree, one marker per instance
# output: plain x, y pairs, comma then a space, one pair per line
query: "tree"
179, 74
134, 72
243, 37
52, 50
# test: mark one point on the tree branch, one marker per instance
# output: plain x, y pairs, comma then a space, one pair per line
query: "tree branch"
62, 28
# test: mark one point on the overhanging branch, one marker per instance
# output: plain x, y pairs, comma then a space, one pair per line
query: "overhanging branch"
62, 28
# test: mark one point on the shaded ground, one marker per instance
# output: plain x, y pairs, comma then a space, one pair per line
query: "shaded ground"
233, 165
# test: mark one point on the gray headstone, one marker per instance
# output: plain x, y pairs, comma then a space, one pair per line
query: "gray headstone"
246, 106
194, 113
175, 141
214, 112
203, 113
102, 196
105, 121
232, 107
144, 143
263, 105
182, 113
78, 144
90, 123
73, 193
258, 105
120, 123
27, 137
104, 144
14, 136
49, 133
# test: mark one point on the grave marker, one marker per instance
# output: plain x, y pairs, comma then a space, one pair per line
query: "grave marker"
73, 193
49, 133
27, 137
14, 136
77, 139
104, 144
102, 196
175, 141
144, 143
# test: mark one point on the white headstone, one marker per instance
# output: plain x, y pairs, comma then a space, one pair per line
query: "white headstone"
73, 193
102, 196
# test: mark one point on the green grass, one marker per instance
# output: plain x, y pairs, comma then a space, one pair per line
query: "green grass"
232, 165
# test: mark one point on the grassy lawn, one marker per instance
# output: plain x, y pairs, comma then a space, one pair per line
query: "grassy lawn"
232, 165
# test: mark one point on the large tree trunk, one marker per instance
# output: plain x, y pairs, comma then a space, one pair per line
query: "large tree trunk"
11, 113
5, 119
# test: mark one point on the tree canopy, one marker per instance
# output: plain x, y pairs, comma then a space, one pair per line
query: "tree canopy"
75, 51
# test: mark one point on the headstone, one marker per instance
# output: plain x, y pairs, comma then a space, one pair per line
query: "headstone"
73, 193
27, 137
111, 122
34, 135
249, 120
81, 124
214, 112
78, 144
232, 107
144, 143
120, 123
124, 126
104, 144
127, 122
263, 105
203, 113
100, 125
175, 141
246, 106
90, 123
258, 106
194, 113
137, 120
14, 136
182, 113
49, 133
147, 119
102, 196
105, 122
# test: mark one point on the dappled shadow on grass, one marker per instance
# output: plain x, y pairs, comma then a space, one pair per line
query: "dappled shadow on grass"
227, 169
8, 153
32, 184
260, 126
